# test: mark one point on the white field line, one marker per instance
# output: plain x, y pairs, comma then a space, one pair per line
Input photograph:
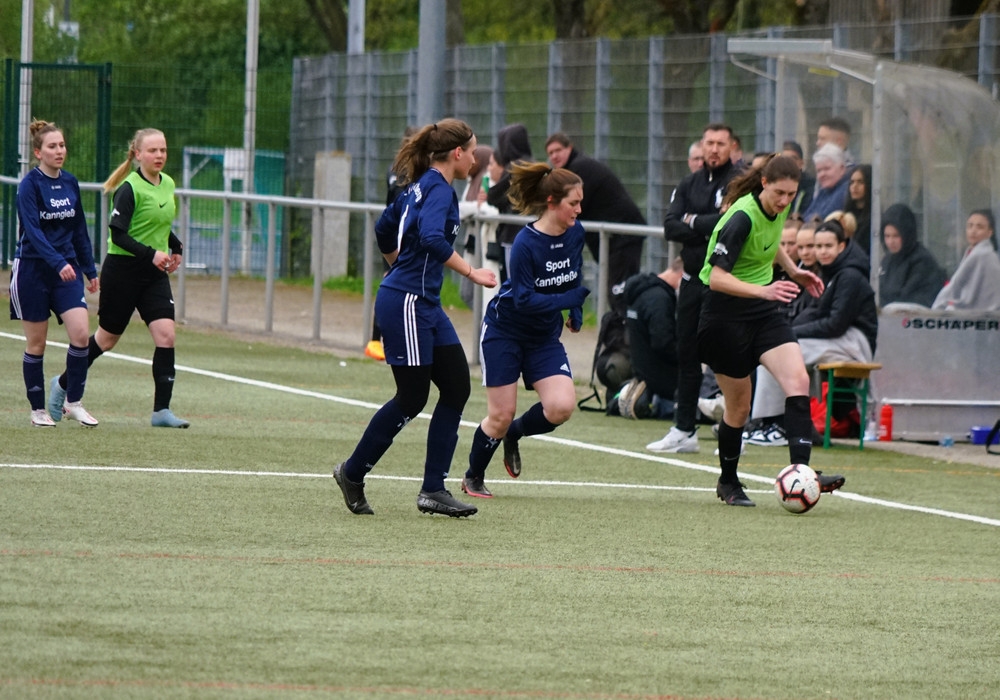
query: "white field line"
469, 424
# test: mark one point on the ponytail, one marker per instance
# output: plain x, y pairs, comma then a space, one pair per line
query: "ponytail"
430, 144
775, 167
125, 168
534, 185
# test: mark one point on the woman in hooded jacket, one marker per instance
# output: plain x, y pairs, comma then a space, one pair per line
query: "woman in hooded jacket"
908, 272
976, 281
843, 327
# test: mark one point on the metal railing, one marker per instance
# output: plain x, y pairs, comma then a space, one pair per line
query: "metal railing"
321, 208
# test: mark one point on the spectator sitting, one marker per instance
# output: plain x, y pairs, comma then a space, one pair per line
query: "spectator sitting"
908, 272
843, 327
833, 180
859, 205
976, 282
652, 329
807, 183
836, 130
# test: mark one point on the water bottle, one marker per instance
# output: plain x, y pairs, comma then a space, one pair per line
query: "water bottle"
486, 183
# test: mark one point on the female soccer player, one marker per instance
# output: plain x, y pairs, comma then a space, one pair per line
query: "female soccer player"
142, 252
521, 329
52, 256
743, 323
416, 234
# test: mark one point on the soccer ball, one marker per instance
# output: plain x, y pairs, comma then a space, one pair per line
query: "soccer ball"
797, 488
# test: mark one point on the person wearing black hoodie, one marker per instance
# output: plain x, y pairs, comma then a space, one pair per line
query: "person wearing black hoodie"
652, 329
512, 146
908, 272
843, 327
691, 217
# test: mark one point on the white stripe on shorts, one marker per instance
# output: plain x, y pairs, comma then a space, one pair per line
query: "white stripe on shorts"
15, 300
410, 330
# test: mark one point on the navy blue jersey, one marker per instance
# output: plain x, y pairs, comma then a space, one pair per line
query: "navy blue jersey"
52, 225
546, 273
422, 224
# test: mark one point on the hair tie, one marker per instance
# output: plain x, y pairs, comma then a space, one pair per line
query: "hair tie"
434, 126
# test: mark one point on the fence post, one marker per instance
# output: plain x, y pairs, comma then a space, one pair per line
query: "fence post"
719, 59
987, 52
602, 98
555, 91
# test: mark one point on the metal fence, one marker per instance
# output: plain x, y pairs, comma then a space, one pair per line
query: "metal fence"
634, 103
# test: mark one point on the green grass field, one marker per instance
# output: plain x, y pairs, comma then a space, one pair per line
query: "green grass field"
220, 561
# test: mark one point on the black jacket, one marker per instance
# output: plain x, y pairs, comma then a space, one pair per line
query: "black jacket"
604, 196
848, 300
512, 146
652, 330
912, 275
699, 193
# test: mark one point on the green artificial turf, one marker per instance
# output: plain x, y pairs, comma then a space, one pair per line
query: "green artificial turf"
220, 561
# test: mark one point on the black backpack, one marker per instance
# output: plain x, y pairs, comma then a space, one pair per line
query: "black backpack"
612, 363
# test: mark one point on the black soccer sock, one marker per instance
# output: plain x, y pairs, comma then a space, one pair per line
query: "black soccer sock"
482, 451
730, 446
378, 436
531, 422
798, 429
163, 378
442, 438
34, 380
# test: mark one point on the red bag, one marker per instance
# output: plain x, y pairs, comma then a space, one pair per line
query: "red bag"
839, 427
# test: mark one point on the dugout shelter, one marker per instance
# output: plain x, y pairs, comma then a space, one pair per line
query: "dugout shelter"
932, 137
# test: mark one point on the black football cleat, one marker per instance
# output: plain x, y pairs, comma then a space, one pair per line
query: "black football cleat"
733, 495
511, 457
829, 484
354, 494
476, 486
444, 503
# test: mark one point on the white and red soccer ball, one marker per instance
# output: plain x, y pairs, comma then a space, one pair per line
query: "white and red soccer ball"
797, 488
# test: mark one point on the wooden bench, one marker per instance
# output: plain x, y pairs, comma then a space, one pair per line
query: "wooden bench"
847, 370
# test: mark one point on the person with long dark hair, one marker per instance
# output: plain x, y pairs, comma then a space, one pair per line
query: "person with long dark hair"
743, 323
523, 322
975, 284
416, 235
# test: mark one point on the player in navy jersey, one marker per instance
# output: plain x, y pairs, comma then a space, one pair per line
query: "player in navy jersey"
416, 235
142, 252
523, 322
52, 257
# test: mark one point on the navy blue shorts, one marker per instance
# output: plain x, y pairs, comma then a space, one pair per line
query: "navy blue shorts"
128, 285
36, 290
733, 348
411, 328
504, 359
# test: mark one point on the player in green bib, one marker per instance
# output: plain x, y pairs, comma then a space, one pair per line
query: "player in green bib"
142, 252
742, 321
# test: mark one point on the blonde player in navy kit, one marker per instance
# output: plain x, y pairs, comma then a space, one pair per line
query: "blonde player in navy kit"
52, 257
416, 235
523, 322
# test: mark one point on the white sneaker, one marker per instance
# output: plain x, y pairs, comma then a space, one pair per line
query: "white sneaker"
77, 412
41, 419
712, 408
676, 441
768, 436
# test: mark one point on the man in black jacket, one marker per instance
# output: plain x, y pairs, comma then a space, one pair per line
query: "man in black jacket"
691, 217
604, 199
